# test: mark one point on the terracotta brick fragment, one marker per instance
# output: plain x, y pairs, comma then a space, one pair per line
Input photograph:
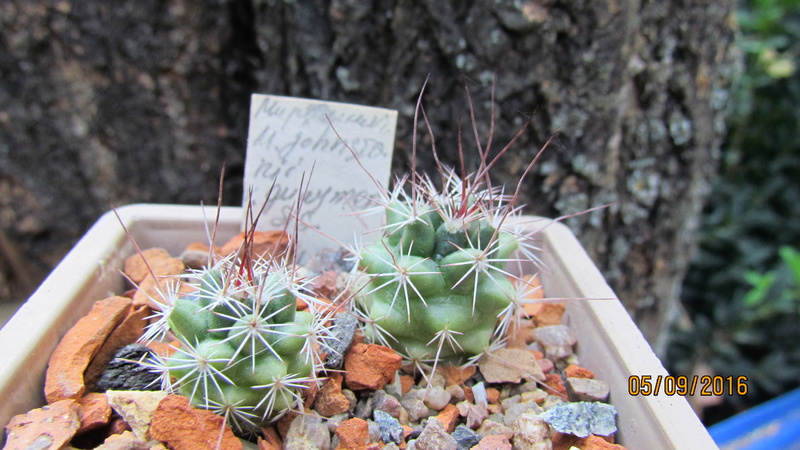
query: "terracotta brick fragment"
265, 243
493, 442
94, 411
549, 314
163, 349
330, 400
353, 433
406, 382
285, 422
563, 441
118, 426
136, 268
149, 287
492, 395
269, 439
576, 371
455, 374
554, 384
127, 332
180, 425
520, 335
124, 441
370, 366
51, 426
448, 417
64, 377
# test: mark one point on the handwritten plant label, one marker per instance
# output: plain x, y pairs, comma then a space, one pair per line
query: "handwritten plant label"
288, 136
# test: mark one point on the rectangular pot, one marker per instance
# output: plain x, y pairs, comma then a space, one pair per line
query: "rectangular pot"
609, 343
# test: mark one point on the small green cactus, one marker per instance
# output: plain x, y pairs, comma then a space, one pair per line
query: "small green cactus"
436, 286
245, 351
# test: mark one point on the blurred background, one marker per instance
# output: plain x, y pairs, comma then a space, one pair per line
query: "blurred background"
682, 116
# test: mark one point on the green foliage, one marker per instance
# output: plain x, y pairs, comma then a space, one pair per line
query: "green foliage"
738, 292
245, 351
435, 287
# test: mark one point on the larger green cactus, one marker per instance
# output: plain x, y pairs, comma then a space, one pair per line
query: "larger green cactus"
245, 351
436, 287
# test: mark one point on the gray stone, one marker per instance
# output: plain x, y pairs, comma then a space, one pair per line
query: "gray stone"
390, 428
342, 333
435, 437
586, 390
531, 432
582, 418
465, 437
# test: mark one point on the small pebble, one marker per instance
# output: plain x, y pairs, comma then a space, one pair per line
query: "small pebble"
335, 420
434, 437
545, 364
537, 396
587, 390
351, 397
414, 406
531, 432
510, 401
381, 401
465, 437
554, 335
491, 427
436, 398
519, 409
552, 400
307, 431
364, 408
456, 393
390, 428
476, 414
374, 431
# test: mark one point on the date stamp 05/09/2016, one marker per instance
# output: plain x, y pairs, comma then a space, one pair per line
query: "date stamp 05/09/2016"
706, 385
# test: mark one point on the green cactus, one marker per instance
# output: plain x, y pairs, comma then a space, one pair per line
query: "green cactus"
245, 351
436, 287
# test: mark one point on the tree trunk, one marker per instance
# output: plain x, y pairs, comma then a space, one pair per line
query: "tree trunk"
143, 101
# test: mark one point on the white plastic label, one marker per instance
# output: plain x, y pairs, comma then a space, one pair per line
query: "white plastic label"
290, 136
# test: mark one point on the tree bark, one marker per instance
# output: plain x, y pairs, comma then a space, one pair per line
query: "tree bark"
142, 102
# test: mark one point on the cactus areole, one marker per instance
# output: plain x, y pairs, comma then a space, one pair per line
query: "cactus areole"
435, 285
